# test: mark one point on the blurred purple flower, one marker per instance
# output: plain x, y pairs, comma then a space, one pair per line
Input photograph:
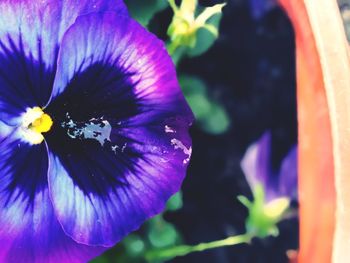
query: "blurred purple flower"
256, 166
93, 128
260, 7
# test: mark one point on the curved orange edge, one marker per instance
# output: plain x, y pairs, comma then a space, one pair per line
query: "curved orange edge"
317, 196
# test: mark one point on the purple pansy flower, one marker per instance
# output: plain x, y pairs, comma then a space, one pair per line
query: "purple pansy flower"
256, 166
93, 128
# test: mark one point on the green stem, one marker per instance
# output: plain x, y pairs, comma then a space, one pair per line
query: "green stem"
173, 5
182, 250
176, 51
172, 47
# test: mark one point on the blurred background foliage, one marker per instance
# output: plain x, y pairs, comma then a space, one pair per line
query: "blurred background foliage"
239, 82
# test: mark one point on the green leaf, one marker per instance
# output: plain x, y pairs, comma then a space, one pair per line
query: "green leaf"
134, 245
192, 85
162, 234
200, 105
210, 115
175, 202
144, 10
100, 259
205, 38
217, 120
196, 95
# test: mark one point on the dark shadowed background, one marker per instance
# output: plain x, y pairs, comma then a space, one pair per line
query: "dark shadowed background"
251, 71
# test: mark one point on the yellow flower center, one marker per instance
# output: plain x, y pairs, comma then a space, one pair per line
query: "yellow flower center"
34, 123
42, 124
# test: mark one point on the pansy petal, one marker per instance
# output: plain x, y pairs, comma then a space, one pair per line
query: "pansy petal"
256, 166
249, 165
41, 24
29, 229
256, 162
120, 145
30, 37
289, 174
